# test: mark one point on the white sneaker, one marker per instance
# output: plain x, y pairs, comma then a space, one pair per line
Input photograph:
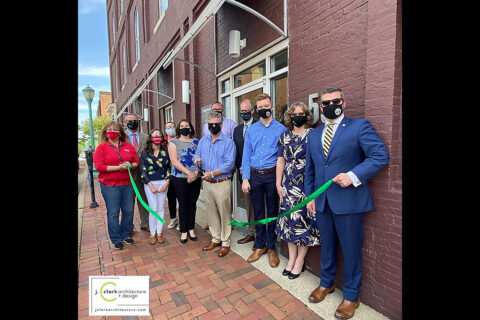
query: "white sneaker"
178, 227
172, 224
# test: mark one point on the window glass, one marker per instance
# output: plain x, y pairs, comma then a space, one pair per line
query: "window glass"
164, 5
279, 61
250, 74
137, 37
226, 86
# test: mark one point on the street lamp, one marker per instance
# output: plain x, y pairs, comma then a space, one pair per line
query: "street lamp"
88, 94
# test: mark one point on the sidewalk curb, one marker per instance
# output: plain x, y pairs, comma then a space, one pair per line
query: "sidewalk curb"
81, 204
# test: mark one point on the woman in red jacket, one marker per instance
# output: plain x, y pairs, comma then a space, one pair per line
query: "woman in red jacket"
111, 158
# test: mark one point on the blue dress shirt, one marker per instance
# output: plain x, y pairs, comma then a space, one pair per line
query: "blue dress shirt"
217, 155
131, 134
261, 148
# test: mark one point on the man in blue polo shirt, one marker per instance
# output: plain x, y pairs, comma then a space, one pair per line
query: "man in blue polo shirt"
216, 154
260, 153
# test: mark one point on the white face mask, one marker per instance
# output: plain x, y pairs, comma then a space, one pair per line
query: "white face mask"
170, 131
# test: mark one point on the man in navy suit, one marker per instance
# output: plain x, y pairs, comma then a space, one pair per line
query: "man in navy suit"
349, 151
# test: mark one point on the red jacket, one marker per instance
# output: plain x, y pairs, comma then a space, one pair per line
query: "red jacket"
105, 155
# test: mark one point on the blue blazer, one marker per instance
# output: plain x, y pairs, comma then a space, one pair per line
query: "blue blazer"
355, 147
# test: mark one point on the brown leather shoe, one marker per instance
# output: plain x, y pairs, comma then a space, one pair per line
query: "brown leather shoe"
319, 293
246, 239
210, 246
147, 229
152, 239
257, 254
273, 258
206, 227
223, 251
160, 238
346, 309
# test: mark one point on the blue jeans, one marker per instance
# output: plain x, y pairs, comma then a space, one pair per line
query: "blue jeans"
116, 198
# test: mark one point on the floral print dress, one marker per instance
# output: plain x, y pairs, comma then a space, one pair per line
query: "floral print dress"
299, 227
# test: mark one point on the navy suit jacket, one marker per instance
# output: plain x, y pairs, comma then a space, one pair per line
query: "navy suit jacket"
239, 142
355, 147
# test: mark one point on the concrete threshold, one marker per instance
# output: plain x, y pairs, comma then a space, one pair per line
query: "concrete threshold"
300, 287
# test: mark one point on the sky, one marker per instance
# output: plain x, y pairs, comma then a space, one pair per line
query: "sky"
93, 62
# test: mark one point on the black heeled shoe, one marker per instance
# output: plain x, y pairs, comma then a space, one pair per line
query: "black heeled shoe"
285, 272
192, 238
183, 241
292, 276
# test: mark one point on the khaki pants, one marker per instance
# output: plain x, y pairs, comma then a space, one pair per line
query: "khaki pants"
219, 210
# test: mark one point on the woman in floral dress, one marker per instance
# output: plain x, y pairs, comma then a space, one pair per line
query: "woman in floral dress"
298, 229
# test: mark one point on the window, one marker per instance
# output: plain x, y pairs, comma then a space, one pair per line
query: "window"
169, 114
137, 36
250, 74
124, 66
165, 86
113, 29
162, 7
138, 107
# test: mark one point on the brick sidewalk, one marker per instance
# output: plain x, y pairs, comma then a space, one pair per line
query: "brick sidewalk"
185, 282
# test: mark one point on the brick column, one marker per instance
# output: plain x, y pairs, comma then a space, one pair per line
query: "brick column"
382, 250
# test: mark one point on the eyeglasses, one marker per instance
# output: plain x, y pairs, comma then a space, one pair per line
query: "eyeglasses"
334, 101
298, 114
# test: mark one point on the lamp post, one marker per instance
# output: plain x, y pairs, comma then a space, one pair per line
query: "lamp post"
88, 94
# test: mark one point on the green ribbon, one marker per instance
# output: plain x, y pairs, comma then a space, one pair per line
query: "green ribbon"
298, 206
140, 198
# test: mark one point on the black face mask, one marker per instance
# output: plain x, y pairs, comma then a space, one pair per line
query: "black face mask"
298, 121
333, 111
246, 115
132, 124
264, 113
185, 131
214, 128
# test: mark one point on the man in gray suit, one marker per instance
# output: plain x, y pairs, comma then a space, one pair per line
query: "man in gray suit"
138, 140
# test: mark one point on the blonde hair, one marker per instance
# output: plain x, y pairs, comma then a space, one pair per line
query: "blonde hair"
288, 115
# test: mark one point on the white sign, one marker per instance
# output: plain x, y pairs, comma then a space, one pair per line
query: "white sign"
119, 296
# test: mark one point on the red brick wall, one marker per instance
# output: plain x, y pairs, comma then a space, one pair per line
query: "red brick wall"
257, 32
356, 45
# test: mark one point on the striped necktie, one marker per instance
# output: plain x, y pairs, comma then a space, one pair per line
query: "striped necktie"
327, 140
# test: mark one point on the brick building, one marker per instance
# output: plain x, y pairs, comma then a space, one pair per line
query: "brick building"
105, 99
293, 49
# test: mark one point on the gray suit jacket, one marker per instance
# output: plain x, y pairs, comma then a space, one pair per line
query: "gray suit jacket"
142, 142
